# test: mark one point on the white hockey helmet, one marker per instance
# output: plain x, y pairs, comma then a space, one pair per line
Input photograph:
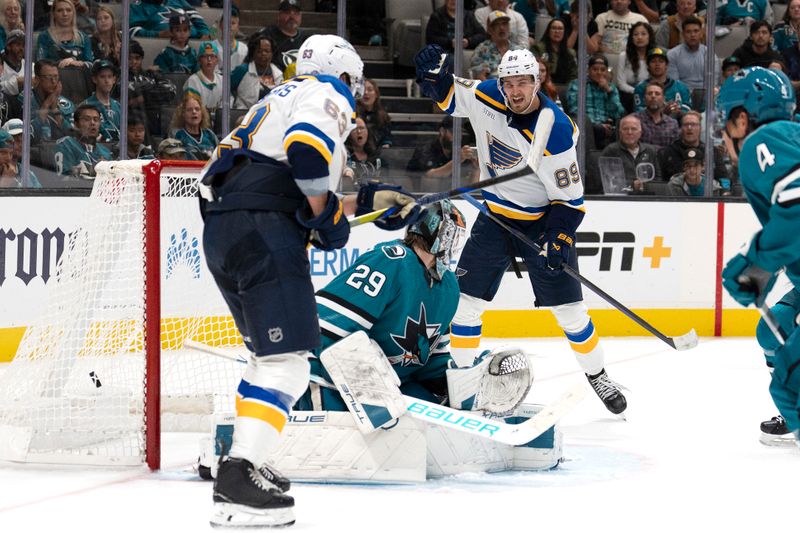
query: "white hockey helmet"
518, 63
332, 55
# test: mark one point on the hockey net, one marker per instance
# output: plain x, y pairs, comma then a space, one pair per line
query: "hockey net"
93, 379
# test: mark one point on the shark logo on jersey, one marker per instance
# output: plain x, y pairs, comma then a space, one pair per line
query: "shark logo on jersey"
416, 341
183, 253
501, 155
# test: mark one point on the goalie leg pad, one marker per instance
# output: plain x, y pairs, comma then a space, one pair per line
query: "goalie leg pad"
366, 381
465, 330
583, 339
268, 389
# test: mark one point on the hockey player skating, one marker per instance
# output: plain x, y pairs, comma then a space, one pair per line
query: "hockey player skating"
547, 206
267, 190
404, 295
769, 173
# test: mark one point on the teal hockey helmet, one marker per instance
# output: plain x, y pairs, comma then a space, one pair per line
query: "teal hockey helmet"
765, 94
444, 230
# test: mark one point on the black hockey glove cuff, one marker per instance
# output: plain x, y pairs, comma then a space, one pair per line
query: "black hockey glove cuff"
330, 230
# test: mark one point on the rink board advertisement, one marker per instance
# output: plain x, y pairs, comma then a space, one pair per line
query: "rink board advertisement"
660, 259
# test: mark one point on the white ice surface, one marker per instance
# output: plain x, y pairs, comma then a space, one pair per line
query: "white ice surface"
686, 459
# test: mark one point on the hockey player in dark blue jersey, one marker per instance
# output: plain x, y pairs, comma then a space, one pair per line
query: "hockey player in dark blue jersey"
769, 169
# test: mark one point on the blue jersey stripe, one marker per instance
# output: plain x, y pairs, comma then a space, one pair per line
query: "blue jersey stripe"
275, 397
497, 200
465, 331
310, 128
583, 335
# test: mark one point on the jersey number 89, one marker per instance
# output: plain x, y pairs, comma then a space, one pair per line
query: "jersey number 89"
564, 178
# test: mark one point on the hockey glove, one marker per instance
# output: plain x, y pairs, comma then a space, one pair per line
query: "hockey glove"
556, 245
746, 282
433, 65
330, 230
375, 196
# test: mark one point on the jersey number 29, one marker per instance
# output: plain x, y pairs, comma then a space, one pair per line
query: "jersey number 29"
374, 280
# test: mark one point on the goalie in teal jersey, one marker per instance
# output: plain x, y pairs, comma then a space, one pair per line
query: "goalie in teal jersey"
769, 169
404, 295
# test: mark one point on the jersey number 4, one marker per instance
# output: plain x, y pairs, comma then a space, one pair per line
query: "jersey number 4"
371, 281
765, 157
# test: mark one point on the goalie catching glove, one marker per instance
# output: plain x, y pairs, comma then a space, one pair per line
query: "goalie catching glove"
496, 383
375, 196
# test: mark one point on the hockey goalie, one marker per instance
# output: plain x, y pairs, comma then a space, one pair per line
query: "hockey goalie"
385, 340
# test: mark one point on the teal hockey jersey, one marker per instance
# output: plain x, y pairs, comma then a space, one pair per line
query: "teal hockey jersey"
387, 293
769, 169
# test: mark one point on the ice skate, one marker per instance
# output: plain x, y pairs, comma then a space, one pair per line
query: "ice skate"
775, 433
609, 392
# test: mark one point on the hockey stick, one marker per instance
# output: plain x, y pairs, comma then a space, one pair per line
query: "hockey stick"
773, 324
464, 421
683, 342
541, 134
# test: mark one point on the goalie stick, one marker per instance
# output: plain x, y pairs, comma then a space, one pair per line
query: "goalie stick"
682, 342
541, 133
465, 421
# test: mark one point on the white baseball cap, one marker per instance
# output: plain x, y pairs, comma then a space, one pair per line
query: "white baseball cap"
14, 126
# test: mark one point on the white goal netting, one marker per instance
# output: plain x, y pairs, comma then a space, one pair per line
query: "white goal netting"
76, 389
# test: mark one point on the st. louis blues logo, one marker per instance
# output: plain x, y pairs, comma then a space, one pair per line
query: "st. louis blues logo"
183, 253
416, 341
501, 155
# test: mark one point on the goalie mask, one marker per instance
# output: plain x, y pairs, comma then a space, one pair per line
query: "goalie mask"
333, 56
444, 231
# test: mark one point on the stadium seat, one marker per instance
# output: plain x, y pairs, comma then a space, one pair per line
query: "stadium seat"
75, 84
405, 28
541, 24
724, 46
179, 79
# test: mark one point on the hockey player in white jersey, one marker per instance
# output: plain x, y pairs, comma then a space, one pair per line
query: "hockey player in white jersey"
268, 191
547, 206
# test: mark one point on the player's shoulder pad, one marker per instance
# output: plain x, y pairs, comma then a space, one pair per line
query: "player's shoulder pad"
564, 129
488, 93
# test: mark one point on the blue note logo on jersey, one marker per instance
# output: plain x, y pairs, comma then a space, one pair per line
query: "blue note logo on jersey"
183, 253
501, 155
416, 341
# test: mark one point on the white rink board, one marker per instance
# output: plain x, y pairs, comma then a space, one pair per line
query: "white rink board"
685, 279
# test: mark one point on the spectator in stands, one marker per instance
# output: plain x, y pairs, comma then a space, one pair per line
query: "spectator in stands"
137, 133
286, 34
255, 78
63, 42
756, 50
739, 12
547, 86
691, 180
733, 134
791, 57
10, 20
238, 48
15, 128
9, 173
77, 154
488, 54
51, 113
371, 109
687, 61
434, 159
649, 8
784, 36
441, 28
671, 157
12, 76
518, 28
632, 64
553, 50
669, 34
191, 125
658, 128
150, 18
207, 81
171, 149
676, 94
83, 16
614, 26
603, 107
363, 158
106, 42
730, 65
639, 159
592, 32
104, 77
147, 90
178, 55
555, 8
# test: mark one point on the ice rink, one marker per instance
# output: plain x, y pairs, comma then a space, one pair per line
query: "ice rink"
686, 459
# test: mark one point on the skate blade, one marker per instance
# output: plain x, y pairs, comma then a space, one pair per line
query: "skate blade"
777, 441
232, 516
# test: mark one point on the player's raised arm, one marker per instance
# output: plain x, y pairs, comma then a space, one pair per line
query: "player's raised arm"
435, 78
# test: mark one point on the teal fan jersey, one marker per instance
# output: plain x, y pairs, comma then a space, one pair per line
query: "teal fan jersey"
769, 169
387, 293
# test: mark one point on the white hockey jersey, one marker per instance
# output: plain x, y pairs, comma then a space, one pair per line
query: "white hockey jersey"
503, 141
302, 122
